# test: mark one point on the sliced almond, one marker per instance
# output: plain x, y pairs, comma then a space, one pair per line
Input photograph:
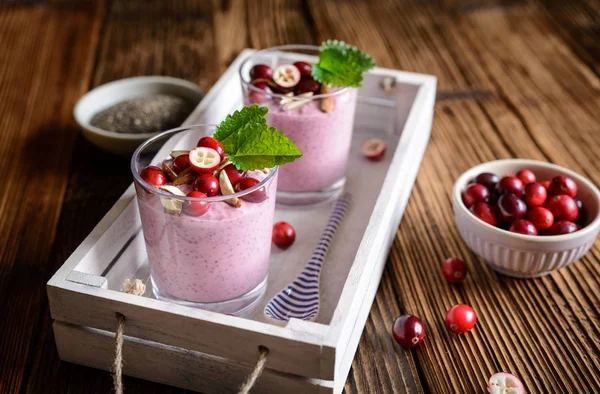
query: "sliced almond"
171, 204
172, 175
327, 103
285, 99
185, 177
388, 84
176, 153
292, 104
227, 189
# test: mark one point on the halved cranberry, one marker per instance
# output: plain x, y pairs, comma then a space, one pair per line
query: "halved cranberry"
181, 163
210, 142
259, 195
204, 160
484, 212
286, 76
523, 226
510, 208
196, 208
373, 149
563, 207
541, 218
562, 184
526, 176
454, 270
509, 184
234, 175
488, 180
154, 176
535, 194
475, 193
284, 235
563, 227
408, 331
307, 86
304, 68
207, 184
261, 71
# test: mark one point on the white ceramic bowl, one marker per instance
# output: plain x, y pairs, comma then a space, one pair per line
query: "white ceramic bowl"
526, 256
114, 92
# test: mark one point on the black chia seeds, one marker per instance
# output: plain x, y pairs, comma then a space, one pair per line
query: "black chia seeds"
148, 114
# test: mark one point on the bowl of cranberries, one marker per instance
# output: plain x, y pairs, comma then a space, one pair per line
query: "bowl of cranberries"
526, 218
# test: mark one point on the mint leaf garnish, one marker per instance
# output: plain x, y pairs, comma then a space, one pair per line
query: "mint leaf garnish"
341, 64
250, 144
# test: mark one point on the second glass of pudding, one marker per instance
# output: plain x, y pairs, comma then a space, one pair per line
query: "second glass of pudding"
319, 121
217, 260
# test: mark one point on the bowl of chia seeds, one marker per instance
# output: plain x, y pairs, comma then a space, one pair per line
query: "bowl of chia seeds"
120, 115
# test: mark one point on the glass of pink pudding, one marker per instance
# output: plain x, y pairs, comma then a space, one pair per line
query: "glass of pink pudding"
316, 118
215, 259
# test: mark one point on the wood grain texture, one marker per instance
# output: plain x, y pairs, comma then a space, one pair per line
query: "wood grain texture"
520, 80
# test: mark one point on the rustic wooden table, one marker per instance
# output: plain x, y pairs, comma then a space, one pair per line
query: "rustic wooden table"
516, 79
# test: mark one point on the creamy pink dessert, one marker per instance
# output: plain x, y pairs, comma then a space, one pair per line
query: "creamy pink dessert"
218, 256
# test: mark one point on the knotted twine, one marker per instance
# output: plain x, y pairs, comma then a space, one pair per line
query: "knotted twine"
138, 288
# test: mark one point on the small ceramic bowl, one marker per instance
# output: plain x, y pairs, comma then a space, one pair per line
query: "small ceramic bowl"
526, 256
112, 93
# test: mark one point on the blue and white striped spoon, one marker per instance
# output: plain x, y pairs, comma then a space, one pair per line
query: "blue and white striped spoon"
300, 299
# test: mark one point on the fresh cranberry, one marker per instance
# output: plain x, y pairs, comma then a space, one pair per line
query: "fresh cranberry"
284, 234
181, 163
234, 174
373, 149
259, 195
503, 382
261, 71
154, 176
307, 86
563, 207
484, 212
286, 76
526, 176
196, 208
535, 194
454, 270
461, 318
204, 160
563, 227
304, 68
408, 331
523, 226
509, 184
210, 142
583, 214
546, 184
207, 184
562, 184
510, 208
541, 218
475, 193
488, 180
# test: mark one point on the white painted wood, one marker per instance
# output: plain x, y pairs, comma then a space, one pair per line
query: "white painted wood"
88, 279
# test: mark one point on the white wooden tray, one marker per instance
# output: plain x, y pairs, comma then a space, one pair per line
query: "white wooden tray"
212, 352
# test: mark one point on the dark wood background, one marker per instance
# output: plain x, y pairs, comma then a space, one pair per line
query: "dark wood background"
516, 79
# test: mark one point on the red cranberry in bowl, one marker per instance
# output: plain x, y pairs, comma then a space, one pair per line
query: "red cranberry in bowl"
261, 71
210, 142
307, 86
563, 227
484, 212
526, 176
207, 184
563, 207
408, 331
181, 163
535, 194
154, 176
304, 68
523, 226
234, 175
488, 180
259, 195
509, 184
546, 184
257, 97
475, 193
583, 215
562, 184
510, 208
196, 208
541, 218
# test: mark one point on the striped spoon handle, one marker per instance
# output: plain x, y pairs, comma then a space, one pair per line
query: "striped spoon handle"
300, 299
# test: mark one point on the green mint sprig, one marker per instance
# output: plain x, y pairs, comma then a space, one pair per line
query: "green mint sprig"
341, 64
251, 144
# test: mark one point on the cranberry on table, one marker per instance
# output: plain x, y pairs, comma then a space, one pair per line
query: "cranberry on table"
196, 208
488, 180
563, 207
373, 149
505, 383
475, 193
461, 318
207, 184
154, 176
563, 227
509, 184
181, 163
234, 175
510, 208
526, 176
258, 195
304, 68
535, 194
454, 270
523, 226
210, 142
286, 76
408, 331
261, 71
562, 184
307, 86
284, 235
541, 218
484, 212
